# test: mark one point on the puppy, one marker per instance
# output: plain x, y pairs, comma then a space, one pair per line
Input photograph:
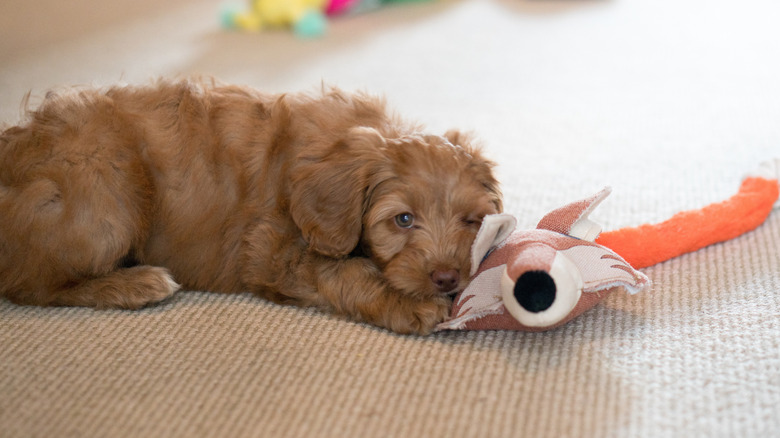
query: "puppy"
114, 198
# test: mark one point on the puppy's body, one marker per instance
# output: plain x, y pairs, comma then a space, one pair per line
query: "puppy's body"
110, 198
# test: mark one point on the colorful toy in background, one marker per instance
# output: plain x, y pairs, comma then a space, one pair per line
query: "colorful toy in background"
307, 18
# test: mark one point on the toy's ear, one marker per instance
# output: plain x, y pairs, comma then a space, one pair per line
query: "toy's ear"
494, 230
572, 219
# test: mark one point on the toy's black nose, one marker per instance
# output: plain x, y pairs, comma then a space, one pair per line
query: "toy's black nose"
535, 291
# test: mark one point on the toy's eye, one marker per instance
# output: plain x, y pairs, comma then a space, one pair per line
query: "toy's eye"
404, 220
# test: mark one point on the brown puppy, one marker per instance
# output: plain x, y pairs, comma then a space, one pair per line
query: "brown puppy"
109, 198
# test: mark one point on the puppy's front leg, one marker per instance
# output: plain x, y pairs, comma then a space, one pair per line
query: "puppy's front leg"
354, 287
279, 266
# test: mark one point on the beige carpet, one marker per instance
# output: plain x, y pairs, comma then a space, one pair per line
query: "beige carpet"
670, 103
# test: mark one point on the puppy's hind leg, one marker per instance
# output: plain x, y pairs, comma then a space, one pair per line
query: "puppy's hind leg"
64, 240
57, 249
126, 288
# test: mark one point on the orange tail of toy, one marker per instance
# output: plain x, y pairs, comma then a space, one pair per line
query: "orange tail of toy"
689, 231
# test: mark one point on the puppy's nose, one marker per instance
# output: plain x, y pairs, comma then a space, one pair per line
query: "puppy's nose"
445, 281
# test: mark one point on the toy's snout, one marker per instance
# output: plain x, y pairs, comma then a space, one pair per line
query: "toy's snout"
535, 291
541, 295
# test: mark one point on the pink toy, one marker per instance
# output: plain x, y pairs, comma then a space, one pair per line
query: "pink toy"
307, 18
336, 7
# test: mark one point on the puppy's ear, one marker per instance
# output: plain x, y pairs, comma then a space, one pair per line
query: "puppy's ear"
484, 171
330, 187
480, 166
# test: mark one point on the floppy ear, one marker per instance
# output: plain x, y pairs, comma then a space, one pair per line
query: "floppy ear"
572, 219
329, 190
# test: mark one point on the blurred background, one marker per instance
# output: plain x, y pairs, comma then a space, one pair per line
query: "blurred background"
676, 82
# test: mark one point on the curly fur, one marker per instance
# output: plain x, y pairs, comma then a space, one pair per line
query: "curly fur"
112, 198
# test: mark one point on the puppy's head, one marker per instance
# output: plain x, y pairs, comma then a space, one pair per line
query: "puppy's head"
413, 204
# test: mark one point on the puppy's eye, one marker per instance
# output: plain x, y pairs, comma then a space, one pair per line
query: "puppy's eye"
404, 220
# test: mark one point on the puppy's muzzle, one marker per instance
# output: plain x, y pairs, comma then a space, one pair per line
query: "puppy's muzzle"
445, 280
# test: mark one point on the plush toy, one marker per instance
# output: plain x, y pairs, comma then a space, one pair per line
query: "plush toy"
536, 280
307, 18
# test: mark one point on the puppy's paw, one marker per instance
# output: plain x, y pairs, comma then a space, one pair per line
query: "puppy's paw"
127, 288
132, 288
156, 285
419, 317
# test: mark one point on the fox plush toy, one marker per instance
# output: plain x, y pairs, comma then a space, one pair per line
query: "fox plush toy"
536, 280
